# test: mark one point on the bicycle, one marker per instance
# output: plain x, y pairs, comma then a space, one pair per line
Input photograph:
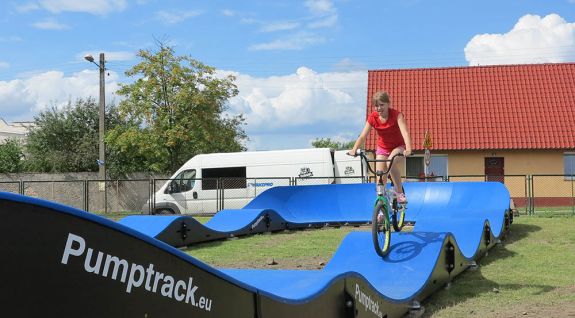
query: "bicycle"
386, 201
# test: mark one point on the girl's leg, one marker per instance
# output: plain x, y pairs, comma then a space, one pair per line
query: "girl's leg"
381, 166
396, 169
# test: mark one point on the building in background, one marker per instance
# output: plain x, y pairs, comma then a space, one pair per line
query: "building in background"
494, 121
15, 130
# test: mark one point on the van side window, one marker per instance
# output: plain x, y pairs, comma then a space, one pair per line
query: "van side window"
228, 178
183, 182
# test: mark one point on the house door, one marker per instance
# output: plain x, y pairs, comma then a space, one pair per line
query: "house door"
494, 169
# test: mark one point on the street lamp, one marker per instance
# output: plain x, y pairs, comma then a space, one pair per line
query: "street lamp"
102, 109
102, 128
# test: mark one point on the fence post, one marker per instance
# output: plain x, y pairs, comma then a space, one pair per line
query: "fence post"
85, 188
151, 196
117, 195
572, 197
531, 195
527, 195
153, 210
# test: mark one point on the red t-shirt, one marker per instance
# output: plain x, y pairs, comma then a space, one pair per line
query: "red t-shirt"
388, 134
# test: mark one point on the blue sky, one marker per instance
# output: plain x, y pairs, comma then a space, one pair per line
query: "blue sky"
301, 66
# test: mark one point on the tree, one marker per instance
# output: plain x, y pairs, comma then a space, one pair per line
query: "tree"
328, 143
11, 155
66, 140
175, 108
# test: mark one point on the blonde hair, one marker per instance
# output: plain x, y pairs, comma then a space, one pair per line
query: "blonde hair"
380, 96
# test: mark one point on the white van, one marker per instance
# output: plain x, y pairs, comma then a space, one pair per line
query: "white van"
209, 182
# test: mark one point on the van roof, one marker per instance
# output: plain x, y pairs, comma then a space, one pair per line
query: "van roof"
286, 151
233, 158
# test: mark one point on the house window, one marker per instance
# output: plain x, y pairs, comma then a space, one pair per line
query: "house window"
569, 164
415, 166
438, 165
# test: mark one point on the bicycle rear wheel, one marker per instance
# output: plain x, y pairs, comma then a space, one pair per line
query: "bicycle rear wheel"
397, 216
380, 229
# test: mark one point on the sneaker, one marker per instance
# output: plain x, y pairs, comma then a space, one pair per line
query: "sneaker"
401, 198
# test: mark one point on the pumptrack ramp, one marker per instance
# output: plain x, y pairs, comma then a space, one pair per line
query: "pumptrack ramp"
297, 207
60, 261
276, 209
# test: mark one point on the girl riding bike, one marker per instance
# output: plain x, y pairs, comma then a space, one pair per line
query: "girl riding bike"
392, 139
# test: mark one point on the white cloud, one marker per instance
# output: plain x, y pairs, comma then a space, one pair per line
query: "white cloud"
50, 24
301, 107
281, 111
24, 98
320, 6
279, 26
228, 12
327, 22
4, 65
320, 14
27, 7
324, 14
98, 7
297, 41
347, 65
173, 17
532, 40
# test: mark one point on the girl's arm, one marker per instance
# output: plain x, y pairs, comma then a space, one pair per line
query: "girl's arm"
405, 133
361, 139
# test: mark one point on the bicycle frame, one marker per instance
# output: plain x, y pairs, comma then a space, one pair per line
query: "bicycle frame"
383, 207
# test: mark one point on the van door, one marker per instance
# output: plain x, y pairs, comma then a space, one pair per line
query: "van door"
182, 193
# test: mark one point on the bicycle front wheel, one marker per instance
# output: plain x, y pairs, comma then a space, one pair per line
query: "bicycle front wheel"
380, 229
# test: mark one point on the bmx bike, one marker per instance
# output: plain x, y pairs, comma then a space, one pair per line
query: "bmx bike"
387, 212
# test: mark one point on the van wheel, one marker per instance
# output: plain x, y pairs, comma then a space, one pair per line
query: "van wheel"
164, 212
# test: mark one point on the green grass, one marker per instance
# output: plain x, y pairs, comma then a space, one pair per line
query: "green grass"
534, 267
531, 267
293, 248
550, 212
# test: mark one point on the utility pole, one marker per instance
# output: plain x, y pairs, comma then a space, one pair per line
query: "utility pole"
101, 126
102, 121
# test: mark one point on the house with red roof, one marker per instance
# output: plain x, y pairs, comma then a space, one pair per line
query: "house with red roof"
496, 121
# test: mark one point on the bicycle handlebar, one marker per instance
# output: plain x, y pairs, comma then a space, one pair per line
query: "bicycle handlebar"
361, 153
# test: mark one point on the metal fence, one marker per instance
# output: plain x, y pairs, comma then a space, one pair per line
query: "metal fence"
530, 193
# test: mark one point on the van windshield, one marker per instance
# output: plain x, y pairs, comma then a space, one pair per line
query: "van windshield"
183, 182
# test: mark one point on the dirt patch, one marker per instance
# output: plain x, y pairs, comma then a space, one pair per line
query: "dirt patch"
558, 309
315, 262
303, 263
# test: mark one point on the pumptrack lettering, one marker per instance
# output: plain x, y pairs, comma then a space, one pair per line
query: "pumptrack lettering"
369, 304
132, 274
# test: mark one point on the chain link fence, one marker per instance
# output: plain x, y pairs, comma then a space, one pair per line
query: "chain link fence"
551, 194
11, 186
302, 181
530, 194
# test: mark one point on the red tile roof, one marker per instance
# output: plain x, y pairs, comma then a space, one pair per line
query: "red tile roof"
483, 107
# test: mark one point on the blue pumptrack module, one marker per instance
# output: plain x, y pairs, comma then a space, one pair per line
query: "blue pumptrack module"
65, 262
